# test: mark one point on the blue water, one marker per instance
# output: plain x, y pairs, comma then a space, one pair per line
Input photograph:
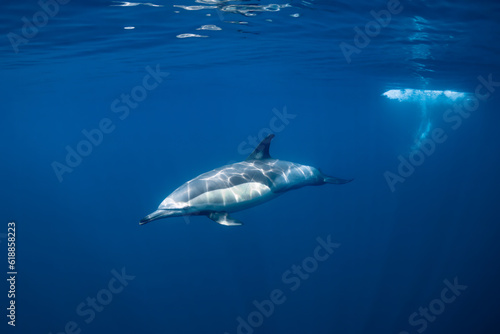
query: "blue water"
402, 238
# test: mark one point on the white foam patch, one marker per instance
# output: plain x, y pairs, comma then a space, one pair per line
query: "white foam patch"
249, 10
211, 2
422, 95
195, 7
189, 35
133, 4
209, 27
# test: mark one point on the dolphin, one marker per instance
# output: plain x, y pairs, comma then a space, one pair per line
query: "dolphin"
239, 186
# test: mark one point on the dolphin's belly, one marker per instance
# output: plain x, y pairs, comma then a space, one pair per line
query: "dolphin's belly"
235, 198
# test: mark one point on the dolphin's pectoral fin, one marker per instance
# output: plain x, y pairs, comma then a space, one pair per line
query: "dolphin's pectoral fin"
223, 218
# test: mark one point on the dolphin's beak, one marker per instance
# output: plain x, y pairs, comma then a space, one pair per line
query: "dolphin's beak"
158, 214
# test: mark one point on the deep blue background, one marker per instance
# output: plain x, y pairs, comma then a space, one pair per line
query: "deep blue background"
194, 276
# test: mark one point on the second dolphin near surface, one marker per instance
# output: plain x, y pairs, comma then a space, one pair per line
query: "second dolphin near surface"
239, 186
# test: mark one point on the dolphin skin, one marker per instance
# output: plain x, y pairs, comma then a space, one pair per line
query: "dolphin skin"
239, 186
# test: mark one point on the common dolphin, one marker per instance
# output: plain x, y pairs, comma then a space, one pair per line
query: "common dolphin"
239, 186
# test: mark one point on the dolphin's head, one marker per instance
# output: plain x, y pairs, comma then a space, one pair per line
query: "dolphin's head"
170, 207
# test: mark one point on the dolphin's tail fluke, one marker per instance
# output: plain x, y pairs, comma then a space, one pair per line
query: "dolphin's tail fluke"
332, 179
335, 180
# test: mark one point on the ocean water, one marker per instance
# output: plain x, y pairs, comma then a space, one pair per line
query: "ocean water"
108, 106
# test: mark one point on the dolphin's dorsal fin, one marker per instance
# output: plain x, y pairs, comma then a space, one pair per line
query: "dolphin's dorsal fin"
262, 150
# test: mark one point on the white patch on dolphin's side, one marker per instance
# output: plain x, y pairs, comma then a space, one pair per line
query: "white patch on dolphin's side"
228, 197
